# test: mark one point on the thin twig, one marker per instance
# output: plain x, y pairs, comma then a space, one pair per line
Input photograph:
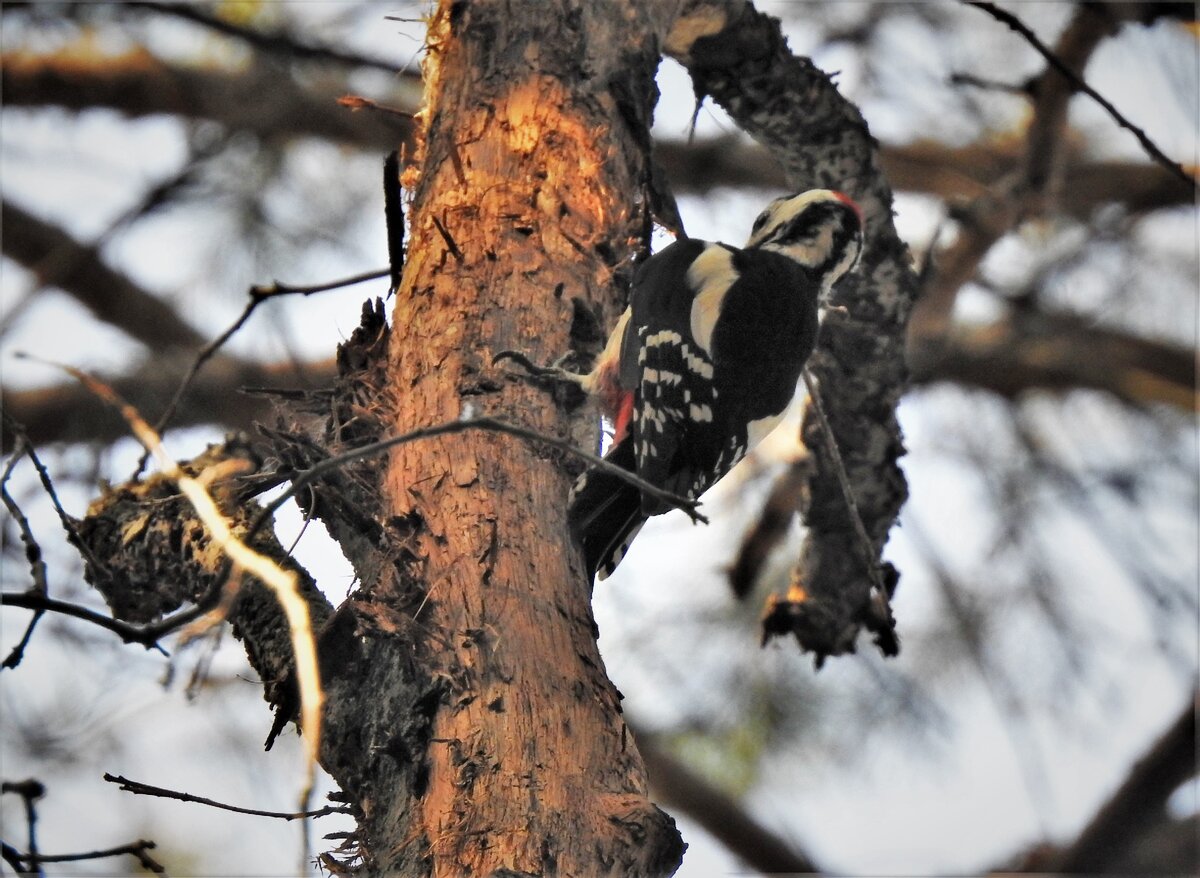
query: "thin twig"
308, 476
13, 857
358, 102
1020, 89
448, 238
69, 523
134, 849
33, 554
283, 583
142, 789
30, 791
147, 635
1079, 84
839, 470
258, 294
275, 288
278, 42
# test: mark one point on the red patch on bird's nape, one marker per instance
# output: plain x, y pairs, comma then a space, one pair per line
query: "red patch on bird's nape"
851, 203
623, 417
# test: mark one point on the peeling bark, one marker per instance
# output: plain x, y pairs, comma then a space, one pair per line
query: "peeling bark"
148, 554
535, 142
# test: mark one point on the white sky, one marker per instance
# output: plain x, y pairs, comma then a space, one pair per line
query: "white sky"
965, 808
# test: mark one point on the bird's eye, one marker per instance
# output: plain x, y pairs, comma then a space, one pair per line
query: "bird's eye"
759, 223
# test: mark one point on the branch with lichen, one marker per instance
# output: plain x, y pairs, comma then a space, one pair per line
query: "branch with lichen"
739, 57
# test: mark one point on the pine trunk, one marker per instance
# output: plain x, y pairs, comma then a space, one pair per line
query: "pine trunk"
535, 125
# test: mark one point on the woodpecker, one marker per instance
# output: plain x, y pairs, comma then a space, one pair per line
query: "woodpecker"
705, 360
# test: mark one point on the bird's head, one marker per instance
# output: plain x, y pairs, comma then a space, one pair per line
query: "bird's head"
821, 229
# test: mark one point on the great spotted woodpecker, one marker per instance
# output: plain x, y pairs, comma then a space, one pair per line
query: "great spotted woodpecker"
705, 361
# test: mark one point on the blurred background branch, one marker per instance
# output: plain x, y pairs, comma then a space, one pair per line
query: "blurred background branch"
158, 160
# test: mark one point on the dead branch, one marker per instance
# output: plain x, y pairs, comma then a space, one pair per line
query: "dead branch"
303, 479
998, 210
33, 554
257, 295
138, 849
285, 584
68, 413
142, 789
1064, 68
1039, 350
1139, 802
721, 816
949, 172
146, 635
30, 790
61, 261
31, 862
955, 174
141, 85
278, 43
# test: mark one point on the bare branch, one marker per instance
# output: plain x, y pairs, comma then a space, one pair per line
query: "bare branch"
258, 295
720, 815
740, 57
993, 213
276, 43
1079, 84
283, 583
1139, 802
136, 849
952, 173
68, 413
30, 791
143, 86
1055, 351
33, 554
310, 475
78, 269
146, 635
13, 857
141, 789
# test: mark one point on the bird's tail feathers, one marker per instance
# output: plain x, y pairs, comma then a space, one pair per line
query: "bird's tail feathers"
605, 513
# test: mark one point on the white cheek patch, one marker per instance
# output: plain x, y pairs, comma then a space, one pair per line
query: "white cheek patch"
710, 275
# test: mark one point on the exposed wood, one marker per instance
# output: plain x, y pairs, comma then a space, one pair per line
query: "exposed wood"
524, 201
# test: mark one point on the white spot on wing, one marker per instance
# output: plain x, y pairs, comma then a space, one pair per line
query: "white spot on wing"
667, 336
699, 365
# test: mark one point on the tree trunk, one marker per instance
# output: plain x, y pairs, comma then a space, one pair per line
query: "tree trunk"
515, 755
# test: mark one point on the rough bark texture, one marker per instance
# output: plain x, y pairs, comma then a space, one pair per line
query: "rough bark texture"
739, 57
535, 140
148, 553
